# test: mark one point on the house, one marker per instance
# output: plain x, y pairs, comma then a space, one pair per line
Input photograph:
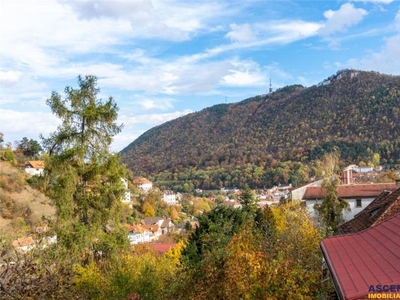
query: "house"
298, 192
366, 264
166, 225
34, 167
143, 184
386, 205
358, 196
24, 244
169, 197
138, 234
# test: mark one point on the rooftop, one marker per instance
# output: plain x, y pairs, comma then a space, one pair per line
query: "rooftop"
350, 191
370, 257
386, 205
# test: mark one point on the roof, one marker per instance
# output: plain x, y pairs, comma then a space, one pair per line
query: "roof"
22, 242
151, 220
162, 248
370, 257
140, 180
136, 228
386, 205
37, 164
350, 191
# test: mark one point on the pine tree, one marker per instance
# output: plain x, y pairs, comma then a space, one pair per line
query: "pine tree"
83, 177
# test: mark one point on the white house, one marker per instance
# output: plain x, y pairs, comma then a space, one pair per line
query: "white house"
357, 195
138, 234
34, 167
24, 244
169, 197
143, 184
165, 225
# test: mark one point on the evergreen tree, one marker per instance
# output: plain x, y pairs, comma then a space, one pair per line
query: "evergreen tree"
247, 200
83, 177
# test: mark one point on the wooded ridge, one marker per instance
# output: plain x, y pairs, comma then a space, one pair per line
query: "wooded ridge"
357, 111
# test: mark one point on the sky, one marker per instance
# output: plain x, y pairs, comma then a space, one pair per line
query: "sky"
163, 59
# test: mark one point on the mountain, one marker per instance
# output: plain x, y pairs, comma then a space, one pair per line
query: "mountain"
357, 111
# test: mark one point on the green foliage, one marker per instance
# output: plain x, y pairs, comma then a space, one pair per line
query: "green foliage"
9, 155
83, 178
30, 148
273, 254
330, 211
144, 274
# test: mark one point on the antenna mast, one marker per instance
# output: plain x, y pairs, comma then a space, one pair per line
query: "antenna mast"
270, 86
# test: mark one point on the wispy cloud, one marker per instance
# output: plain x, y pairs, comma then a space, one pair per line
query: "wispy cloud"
339, 20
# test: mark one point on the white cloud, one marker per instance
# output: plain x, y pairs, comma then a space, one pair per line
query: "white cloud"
375, 1
339, 20
244, 73
16, 124
156, 103
241, 33
9, 78
386, 60
160, 19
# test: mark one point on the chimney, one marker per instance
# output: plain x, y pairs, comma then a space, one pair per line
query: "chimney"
398, 183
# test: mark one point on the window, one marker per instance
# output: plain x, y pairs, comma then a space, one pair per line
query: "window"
358, 203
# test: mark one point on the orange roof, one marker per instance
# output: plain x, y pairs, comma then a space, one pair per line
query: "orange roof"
37, 164
21, 242
140, 180
350, 191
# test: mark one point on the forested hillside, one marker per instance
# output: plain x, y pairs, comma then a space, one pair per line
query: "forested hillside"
271, 139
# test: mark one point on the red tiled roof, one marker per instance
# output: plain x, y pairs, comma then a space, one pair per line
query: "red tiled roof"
162, 248
370, 257
350, 191
385, 206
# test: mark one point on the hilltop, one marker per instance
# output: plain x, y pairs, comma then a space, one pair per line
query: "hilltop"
356, 111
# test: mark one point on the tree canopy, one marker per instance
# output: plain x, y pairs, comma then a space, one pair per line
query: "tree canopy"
84, 179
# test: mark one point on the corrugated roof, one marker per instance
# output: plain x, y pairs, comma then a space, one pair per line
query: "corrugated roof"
386, 205
350, 191
370, 257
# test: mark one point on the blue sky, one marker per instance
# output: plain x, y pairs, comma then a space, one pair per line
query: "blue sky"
162, 59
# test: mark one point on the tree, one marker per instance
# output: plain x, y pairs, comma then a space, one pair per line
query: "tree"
247, 200
30, 148
331, 209
83, 178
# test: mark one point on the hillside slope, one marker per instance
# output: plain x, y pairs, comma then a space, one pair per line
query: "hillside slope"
355, 110
21, 207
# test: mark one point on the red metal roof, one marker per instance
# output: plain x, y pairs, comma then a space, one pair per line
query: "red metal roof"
370, 257
350, 191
